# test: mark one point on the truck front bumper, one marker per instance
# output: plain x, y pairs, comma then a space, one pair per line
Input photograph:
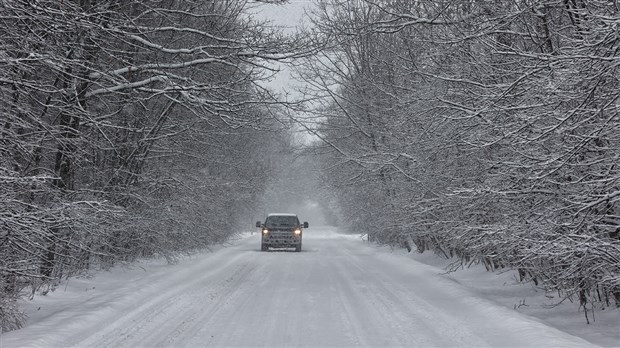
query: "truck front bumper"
276, 240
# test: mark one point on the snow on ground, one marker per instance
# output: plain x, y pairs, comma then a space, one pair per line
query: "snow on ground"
503, 288
338, 292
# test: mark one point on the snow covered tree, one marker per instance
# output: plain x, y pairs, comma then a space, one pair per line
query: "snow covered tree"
495, 129
127, 129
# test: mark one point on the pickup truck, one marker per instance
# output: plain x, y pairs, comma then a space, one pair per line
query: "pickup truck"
281, 231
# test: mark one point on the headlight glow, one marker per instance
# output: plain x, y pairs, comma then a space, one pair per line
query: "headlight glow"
297, 232
265, 231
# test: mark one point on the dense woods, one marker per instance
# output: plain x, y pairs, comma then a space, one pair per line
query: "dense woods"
485, 130
128, 129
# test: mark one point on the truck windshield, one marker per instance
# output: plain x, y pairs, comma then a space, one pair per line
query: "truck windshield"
281, 221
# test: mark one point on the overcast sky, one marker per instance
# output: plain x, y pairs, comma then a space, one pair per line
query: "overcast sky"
287, 16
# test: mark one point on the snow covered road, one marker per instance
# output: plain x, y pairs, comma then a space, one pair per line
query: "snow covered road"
337, 292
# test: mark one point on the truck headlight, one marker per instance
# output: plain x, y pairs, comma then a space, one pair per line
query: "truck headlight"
265, 231
297, 232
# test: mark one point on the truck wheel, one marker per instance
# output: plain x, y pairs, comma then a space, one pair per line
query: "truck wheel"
298, 248
264, 247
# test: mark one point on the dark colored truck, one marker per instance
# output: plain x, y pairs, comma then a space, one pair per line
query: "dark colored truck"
281, 231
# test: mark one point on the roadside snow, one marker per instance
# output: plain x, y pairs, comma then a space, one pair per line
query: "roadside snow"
503, 288
338, 292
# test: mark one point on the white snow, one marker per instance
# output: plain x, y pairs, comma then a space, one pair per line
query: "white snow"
339, 291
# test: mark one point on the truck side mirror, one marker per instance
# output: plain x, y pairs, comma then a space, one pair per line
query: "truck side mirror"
257, 223
305, 224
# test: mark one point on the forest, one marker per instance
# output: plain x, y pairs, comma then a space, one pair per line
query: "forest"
484, 131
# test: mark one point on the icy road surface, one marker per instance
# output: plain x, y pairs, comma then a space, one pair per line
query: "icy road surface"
337, 292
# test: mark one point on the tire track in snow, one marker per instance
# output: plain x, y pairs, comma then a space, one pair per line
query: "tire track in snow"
338, 293
375, 310
154, 315
401, 310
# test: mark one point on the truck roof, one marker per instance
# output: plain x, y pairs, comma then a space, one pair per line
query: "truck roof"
281, 214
